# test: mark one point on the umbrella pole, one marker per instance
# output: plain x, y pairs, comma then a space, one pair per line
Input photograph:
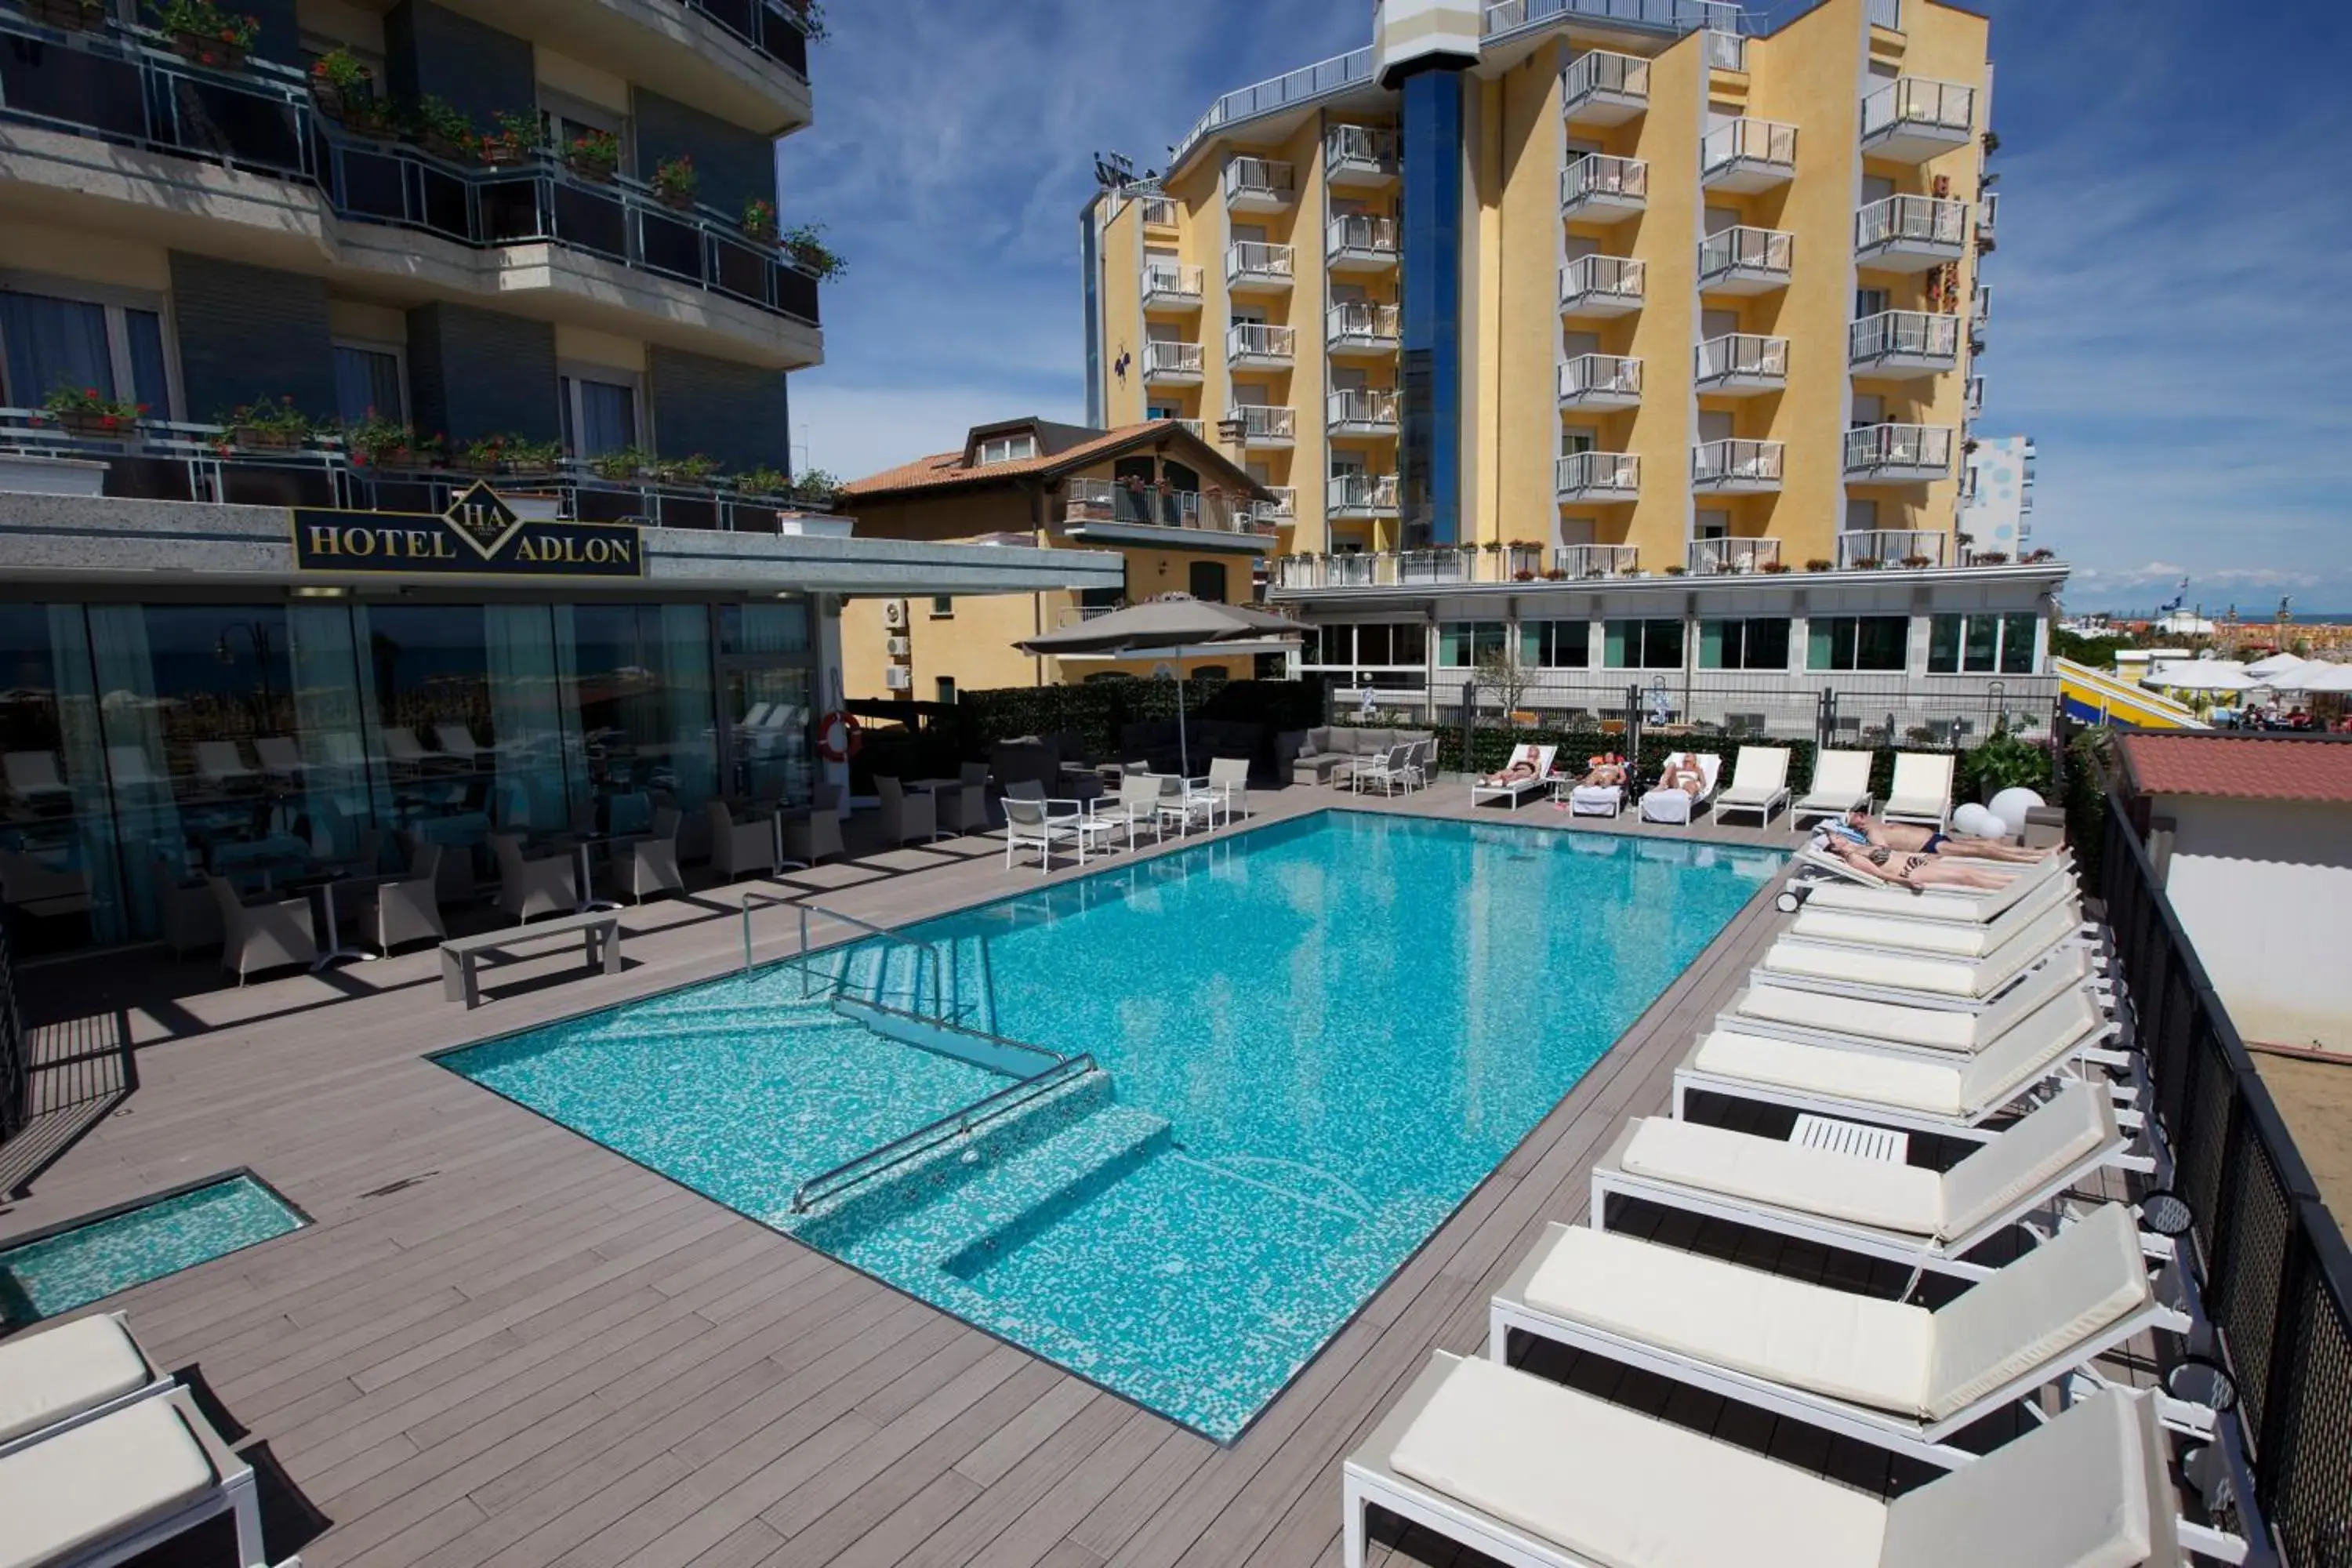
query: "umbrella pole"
1183, 747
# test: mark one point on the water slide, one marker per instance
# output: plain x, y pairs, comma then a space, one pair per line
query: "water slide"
2093, 698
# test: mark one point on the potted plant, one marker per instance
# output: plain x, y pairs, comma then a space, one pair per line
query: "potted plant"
204, 33
2035, 557
74, 15
817, 488
482, 455
759, 220
1676, 569
1555, 574
343, 88
266, 424
806, 245
1773, 568
594, 156
88, 412
1915, 562
809, 15
619, 466
1818, 564
1865, 563
762, 480
1991, 558
378, 442
442, 129
530, 457
516, 139
676, 182
1524, 574
692, 469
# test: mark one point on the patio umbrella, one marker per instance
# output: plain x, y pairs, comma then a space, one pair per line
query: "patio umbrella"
2322, 677
2268, 671
1176, 625
2201, 675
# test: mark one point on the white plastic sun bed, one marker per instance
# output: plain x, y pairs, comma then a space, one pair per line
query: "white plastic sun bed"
75, 1373
1922, 790
1909, 1215
1943, 939
1759, 783
1874, 974
1538, 1476
1820, 879
1518, 790
1888, 1372
1840, 784
1939, 1034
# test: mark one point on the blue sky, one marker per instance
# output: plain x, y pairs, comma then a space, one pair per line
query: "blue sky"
2173, 211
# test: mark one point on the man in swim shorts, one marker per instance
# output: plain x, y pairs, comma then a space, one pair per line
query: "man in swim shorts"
1860, 827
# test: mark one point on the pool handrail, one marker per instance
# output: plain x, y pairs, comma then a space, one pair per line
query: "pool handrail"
955, 1123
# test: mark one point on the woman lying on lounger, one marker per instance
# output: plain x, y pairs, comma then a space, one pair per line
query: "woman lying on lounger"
1915, 871
1520, 770
1682, 772
1606, 771
1860, 827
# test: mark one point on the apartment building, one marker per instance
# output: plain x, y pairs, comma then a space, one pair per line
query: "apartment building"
1626, 296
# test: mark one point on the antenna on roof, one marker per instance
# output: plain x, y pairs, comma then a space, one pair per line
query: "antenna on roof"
1113, 170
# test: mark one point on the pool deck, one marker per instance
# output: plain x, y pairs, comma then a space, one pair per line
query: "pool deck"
500, 1343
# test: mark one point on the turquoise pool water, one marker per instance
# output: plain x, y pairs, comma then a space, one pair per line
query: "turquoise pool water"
74, 1267
1317, 1039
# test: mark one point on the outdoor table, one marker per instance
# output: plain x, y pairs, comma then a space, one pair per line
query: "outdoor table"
325, 928
589, 902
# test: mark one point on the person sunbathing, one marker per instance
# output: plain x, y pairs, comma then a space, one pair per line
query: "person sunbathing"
1916, 871
1605, 771
1520, 770
1682, 772
1862, 827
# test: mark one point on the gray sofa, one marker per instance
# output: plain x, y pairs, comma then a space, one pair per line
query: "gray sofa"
1328, 752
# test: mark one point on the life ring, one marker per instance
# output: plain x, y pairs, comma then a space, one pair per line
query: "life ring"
851, 738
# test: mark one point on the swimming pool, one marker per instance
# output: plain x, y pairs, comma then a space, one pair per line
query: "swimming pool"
1317, 1038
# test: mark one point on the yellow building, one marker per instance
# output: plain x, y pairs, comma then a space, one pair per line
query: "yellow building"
1644, 295
1181, 517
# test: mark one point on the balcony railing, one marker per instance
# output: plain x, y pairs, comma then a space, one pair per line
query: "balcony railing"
1756, 252
1741, 356
1283, 509
1361, 410
777, 31
1906, 448
1868, 549
1677, 16
1305, 85
1360, 148
1903, 335
1610, 376
1259, 179
1767, 144
1732, 557
1159, 211
1597, 177
1612, 279
1584, 562
1189, 427
1945, 106
1361, 494
1267, 424
1170, 281
1148, 506
1161, 357
1596, 474
1733, 464
1603, 74
1726, 51
1360, 323
1919, 220
1361, 234
1972, 399
1255, 260
1260, 340
260, 121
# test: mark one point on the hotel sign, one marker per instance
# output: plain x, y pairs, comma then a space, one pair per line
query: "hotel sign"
478, 535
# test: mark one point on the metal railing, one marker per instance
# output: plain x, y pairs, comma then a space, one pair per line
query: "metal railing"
1602, 277
957, 1123
1675, 16
1741, 248
1585, 473
1736, 462
1170, 279
1917, 333
1265, 421
1115, 501
1265, 178
1161, 357
1283, 508
1373, 407
1916, 220
1604, 71
1719, 557
1919, 101
1360, 321
1256, 259
1360, 232
1600, 375
836, 984
1987, 215
1586, 562
1878, 447
1871, 549
2274, 1273
777, 31
1597, 175
1887, 13
1361, 493
1275, 94
1260, 340
1741, 353
1365, 146
1726, 51
1159, 211
1746, 140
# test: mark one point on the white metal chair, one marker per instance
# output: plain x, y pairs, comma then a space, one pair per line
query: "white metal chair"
1229, 783
1045, 824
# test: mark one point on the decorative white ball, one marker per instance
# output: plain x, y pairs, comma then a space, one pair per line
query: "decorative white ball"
2012, 805
1973, 821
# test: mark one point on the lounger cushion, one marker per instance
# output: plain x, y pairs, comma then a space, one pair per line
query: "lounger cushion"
1899, 1082
1846, 1346
2086, 1278
1939, 1028
1905, 1199
2073, 1494
1945, 939
2027, 1052
1942, 904
1624, 1489
2030, 1154
56, 1374
1857, 966
99, 1482
1595, 798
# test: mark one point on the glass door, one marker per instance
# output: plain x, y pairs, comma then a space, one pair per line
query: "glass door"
765, 713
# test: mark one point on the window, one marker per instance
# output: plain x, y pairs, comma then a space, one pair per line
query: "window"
565, 120
943, 605
368, 379
600, 412
1980, 644
1206, 581
1642, 645
945, 688
1007, 449
48, 341
1758, 644
1462, 644
1857, 642
1395, 644
1555, 644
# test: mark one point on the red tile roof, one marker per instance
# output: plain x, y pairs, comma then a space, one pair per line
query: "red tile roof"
2270, 767
943, 468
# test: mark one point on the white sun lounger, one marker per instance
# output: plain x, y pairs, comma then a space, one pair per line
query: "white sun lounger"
1936, 1033
1944, 939
74, 1372
1840, 784
1888, 1372
1922, 979
1820, 879
1538, 1476
1676, 808
1921, 791
1759, 783
1909, 1215
1955, 1097
1518, 790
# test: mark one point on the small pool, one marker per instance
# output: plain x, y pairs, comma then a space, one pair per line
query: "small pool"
1317, 1038
90, 1260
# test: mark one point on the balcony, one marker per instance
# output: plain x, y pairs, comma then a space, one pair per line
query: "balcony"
1912, 119
1736, 468
1747, 155
1600, 381
1602, 286
1873, 549
1972, 399
1171, 285
1731, 557
1270, 426
1359, 327
1366, 414
1258, 185
1904, 344
1603, 89
1743, 261
1910, 234
1586, 563
1741, 364
1988, 221
1256, 346
1725, 50
1113, 511
1898, 454
1171, 364
1356, 497
1280, 513
1359, 157
1255, 266
1592, 477
1359, 242
1601, 189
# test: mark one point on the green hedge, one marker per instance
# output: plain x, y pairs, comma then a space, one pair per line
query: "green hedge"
1098, 711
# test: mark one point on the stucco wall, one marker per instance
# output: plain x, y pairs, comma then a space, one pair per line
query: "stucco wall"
2260, 886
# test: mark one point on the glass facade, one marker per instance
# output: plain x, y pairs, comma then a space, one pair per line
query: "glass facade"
143, 747
1429, 452
1857, 642
1982, 645
1759, 643
1642, 645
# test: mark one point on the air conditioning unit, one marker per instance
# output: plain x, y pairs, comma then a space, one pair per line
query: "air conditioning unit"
893, 614
899, 647
897, 678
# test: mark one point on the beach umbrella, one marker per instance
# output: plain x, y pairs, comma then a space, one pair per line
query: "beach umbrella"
2202, 674
2277, 664
2318, 677
1176, 625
